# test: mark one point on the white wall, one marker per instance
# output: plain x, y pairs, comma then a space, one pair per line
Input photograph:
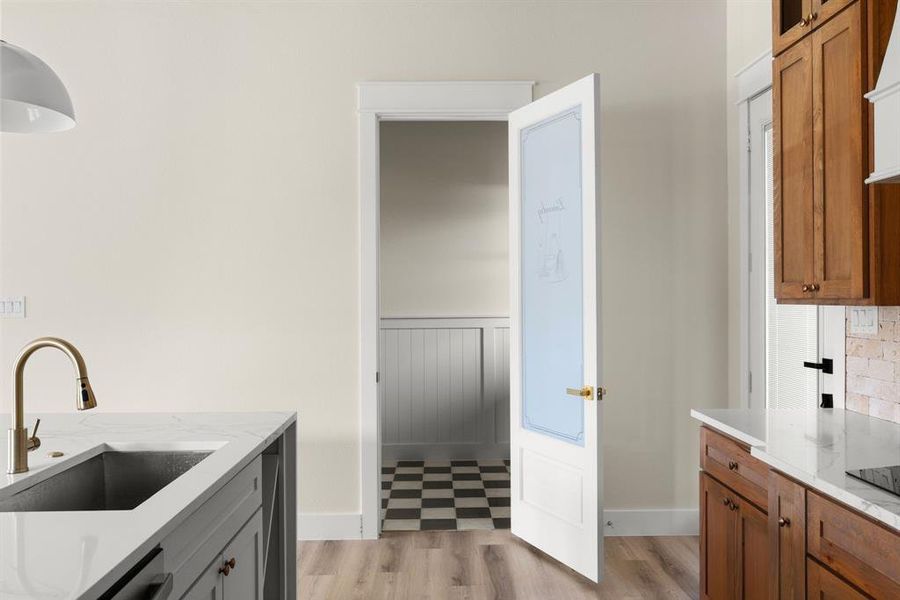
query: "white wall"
444, 219
749, 27
196, 234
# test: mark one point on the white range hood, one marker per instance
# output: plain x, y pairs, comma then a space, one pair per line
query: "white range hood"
886, 99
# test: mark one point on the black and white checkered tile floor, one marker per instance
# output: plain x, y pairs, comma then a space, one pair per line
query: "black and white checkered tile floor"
452, 494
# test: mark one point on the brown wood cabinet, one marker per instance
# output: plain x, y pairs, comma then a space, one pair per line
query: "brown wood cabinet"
734, 544
787, 538
836, 239
820, 208
800, 545
794, 19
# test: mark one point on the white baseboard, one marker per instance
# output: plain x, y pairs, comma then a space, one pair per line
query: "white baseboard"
625, 522
651, 522
329, 526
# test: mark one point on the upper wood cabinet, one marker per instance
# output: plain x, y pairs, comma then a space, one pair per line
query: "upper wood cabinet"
793, 171
793, 19
835, 237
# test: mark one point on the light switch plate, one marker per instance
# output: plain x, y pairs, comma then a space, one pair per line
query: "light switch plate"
12, 307
864, 320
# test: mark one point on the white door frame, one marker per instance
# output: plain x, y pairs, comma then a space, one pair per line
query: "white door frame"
401, 101
752, 80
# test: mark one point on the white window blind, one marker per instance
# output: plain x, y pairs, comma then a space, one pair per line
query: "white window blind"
792, 331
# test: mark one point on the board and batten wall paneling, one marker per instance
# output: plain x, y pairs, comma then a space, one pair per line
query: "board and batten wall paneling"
444, 388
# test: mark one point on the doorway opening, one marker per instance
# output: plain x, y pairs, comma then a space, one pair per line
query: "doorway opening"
444, 325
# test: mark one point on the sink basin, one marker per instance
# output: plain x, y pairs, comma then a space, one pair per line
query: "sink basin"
112, 480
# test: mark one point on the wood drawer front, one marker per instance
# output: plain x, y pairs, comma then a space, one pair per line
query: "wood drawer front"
825, 585
863, 553
203, 535
731, 463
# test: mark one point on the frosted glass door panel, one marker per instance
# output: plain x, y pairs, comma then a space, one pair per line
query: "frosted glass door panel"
552, 328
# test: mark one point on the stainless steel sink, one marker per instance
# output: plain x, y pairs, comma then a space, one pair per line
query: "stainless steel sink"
112, 480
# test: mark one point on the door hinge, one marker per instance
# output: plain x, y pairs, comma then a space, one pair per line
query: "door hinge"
750, 262
749, 142
377, 377
750, 381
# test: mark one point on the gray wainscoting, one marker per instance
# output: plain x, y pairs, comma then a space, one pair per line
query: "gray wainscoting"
444, 390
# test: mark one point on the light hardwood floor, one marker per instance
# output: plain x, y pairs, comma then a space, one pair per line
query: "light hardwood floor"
481, 565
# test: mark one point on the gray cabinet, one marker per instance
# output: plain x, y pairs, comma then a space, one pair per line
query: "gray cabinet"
208, 586
244, 581
236, 573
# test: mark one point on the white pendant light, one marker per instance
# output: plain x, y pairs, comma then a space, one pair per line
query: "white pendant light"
32, 97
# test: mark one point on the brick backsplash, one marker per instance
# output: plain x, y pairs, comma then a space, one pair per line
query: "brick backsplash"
873, 367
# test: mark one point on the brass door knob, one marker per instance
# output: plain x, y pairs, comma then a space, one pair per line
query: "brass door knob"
227, 567
784, 522
587, 392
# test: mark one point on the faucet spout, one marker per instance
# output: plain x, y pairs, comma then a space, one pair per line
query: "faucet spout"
84, 395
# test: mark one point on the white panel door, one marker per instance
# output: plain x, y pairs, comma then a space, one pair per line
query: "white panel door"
554, 330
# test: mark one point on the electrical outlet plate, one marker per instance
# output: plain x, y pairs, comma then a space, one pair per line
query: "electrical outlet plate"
864, 320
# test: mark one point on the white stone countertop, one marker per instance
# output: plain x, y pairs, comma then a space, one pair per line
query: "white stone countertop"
78, 555
816, 447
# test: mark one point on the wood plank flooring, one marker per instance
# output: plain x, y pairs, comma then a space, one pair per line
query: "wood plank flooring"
482, 565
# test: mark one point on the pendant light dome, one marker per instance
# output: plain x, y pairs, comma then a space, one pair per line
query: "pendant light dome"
32, 97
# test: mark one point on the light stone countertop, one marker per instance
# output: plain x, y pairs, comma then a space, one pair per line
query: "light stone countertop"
78, 555
816, 447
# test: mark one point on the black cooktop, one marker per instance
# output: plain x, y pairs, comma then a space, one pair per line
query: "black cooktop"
887, 478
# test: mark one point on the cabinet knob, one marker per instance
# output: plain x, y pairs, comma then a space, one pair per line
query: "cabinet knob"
732, 465
812, 17
227, 567
803, 22
814, 287
784, 522
726, 501
804, 287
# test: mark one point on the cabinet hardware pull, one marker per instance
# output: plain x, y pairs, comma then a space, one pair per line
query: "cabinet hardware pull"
229, 565
803, 22
813, 16
814, 287
784, 522
726, 501
804, 288
732, 465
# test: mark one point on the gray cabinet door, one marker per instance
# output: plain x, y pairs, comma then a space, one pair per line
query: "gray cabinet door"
209, 585
245, 579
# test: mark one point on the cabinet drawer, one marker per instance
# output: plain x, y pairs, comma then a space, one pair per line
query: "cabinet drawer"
731, 463
825, 585
865, 554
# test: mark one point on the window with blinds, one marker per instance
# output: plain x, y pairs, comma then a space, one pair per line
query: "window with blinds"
792, 331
